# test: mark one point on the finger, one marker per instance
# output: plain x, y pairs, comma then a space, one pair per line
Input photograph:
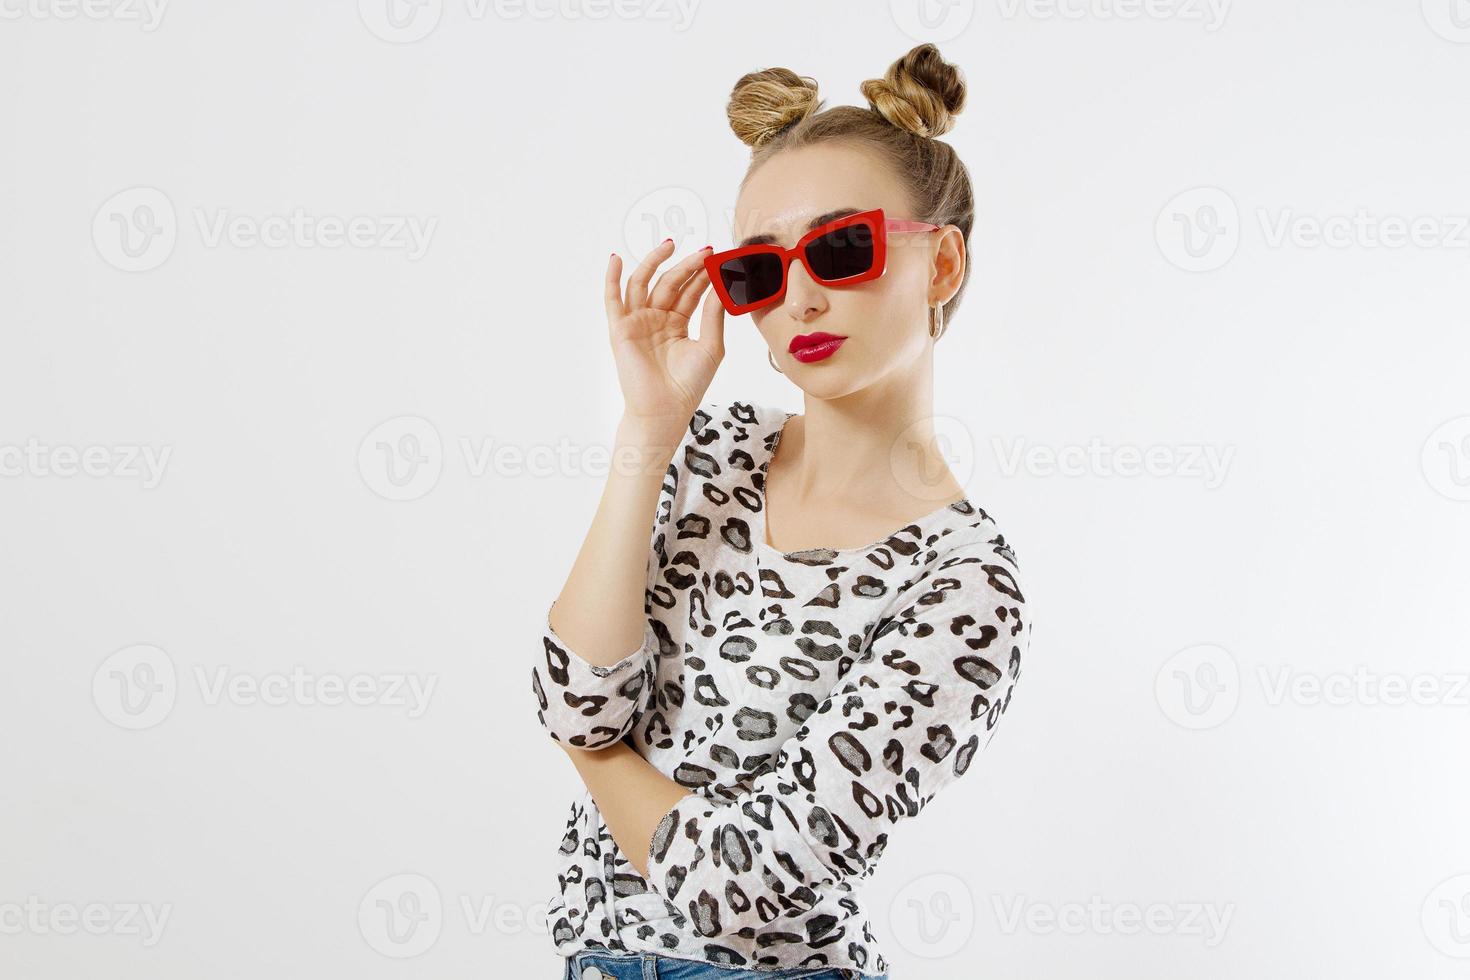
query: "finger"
638, 283
689, 296
671, 284
612, 289
712, 327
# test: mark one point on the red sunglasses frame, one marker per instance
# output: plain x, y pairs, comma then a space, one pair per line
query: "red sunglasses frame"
880, 226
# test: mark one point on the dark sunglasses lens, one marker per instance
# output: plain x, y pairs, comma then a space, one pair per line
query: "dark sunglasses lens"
841, 253
751, 278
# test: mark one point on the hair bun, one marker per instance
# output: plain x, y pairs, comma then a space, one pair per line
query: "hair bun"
766, 102
920, 92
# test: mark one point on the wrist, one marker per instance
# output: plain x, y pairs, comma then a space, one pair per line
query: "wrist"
646, 445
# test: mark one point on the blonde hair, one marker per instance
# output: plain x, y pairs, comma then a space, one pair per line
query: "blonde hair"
915, 101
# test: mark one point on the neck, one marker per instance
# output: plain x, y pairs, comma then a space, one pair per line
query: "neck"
878, 444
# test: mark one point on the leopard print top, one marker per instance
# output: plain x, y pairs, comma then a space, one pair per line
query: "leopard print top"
808, 700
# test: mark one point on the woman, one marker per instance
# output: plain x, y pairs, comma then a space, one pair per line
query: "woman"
823, 632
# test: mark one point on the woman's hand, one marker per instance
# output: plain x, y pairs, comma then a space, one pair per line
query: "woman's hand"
664, 373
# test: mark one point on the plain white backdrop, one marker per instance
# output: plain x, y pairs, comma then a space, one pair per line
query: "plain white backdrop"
304, 380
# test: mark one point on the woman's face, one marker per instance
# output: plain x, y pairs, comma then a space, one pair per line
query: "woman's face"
885, 320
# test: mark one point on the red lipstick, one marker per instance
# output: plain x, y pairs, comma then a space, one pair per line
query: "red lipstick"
808, 347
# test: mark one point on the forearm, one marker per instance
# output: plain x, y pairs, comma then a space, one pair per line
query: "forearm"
599, 612
630, 793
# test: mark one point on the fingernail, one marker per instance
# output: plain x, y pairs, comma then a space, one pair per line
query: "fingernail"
707, 248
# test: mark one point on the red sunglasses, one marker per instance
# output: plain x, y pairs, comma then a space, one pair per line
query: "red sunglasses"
843, 252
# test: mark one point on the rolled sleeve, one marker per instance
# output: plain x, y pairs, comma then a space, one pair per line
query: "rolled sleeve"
908, 720
588, 705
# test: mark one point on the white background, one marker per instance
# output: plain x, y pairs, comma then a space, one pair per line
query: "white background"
1150, 762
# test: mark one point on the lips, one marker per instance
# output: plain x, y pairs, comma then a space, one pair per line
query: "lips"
809, 347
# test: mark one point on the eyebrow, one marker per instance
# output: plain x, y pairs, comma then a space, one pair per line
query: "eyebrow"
819, 220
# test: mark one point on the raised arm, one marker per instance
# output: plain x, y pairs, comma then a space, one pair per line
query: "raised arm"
594, 669
598, 638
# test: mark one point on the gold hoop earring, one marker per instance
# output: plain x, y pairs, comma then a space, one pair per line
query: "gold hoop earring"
773, 361
936, 322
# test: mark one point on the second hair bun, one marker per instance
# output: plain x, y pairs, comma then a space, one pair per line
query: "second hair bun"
920, 92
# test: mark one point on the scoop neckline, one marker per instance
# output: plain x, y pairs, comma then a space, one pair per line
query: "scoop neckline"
760, 536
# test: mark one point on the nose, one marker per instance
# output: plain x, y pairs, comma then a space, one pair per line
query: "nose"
803, 295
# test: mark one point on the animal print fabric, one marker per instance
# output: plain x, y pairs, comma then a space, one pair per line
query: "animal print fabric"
809, 701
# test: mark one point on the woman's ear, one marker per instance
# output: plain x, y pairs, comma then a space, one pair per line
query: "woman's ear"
949, 265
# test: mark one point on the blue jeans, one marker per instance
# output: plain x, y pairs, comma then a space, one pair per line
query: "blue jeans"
652, 966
